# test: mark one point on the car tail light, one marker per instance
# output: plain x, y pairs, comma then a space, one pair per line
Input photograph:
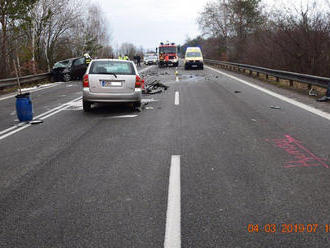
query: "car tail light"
85, 81
139, 83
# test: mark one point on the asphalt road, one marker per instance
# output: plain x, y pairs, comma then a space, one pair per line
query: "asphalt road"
208, 163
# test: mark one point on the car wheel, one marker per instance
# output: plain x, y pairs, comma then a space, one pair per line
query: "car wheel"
186, 67
87, 106
137, 106
67, 77
202, 67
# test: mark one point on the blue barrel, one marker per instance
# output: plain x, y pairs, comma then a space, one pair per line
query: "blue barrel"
24, 107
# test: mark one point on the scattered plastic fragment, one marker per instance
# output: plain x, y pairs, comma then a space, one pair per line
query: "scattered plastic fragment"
312, 92
323, 99
237, 91
275, 107
36, 121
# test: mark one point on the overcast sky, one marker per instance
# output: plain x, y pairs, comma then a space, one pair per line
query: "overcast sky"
147, 22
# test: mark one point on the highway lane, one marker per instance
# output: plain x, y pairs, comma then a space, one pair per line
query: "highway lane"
92, 180
43, 100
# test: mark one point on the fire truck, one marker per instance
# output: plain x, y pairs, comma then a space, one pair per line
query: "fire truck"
168, 54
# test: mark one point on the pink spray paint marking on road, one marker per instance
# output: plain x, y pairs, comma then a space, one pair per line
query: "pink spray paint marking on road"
303, 156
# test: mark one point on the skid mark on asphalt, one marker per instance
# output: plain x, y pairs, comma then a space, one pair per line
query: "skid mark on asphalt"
304, 157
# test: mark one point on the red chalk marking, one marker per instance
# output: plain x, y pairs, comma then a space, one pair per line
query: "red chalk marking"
305, 158
297, 142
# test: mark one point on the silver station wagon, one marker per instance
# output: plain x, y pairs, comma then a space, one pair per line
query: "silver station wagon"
110, 81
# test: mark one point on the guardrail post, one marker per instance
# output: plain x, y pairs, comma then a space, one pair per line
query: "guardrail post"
267, 76
257, 74
250, 72
328, 91
291, 83
277, 79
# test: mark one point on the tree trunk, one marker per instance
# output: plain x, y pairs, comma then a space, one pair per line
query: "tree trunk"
4, 45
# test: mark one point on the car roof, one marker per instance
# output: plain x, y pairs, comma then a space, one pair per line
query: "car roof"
118, 60
70, 59
193, 48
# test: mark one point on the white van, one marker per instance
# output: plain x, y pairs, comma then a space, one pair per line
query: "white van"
193, 58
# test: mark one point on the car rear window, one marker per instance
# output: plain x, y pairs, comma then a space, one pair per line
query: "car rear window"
109, 67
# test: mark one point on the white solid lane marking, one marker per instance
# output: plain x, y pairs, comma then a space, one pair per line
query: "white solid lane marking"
15, 131
8, 129
42, 116
173, 213
176, 100
283, 98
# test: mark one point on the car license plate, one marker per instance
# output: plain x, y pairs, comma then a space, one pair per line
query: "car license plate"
111, 84
194, 65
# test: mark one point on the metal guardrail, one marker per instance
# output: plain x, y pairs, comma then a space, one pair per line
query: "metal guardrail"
23, 80
278, 74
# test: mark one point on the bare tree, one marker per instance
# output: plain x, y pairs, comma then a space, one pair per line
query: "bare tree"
128, 49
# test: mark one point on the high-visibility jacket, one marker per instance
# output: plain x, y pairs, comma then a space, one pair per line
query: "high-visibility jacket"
126, 58
87, 60
119, 57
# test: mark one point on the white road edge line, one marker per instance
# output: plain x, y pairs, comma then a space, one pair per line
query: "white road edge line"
34, 90
283, 98
173, 213
176, 99
41, 116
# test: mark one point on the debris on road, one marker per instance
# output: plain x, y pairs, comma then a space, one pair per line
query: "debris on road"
36, 121
155, 87
326, 97
275, 107
323, 99
147, 100
237, 91
312, 92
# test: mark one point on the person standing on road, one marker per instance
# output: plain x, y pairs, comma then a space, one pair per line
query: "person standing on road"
138, 60
166, 60
88, 58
